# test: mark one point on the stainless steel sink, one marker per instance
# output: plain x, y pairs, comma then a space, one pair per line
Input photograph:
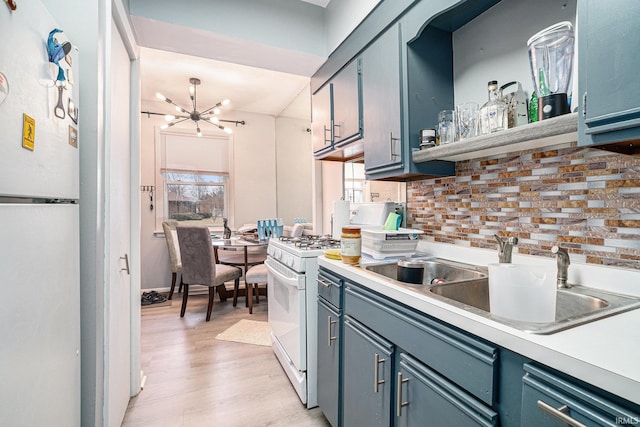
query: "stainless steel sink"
434, 270
467, 287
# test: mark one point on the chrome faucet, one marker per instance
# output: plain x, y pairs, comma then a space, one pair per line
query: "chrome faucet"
563, 265
506, 247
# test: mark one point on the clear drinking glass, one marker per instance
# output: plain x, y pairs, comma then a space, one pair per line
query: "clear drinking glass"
447, 126
467, 116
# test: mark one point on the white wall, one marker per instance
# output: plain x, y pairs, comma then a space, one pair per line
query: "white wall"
285, 24
294, 161
254, 168
482, 53
283, 35
253, 184
342, 17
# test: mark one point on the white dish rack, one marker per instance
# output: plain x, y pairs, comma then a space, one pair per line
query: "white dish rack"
381, 244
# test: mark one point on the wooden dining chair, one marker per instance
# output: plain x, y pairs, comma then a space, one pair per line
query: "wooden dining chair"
199, 266
171, 237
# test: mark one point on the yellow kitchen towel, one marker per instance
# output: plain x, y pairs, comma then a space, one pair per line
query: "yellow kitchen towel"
393, 222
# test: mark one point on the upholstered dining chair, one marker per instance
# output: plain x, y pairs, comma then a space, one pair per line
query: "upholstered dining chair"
255, 276
171, 237
235, 256
199, 266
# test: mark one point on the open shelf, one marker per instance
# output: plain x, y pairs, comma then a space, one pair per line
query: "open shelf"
544, 133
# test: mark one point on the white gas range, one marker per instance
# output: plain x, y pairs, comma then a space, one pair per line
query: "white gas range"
293, 291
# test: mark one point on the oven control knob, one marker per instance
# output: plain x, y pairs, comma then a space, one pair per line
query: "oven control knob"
289, 260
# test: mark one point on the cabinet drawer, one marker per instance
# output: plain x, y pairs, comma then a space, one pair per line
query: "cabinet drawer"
465, 360
330, 287
423, 394
549, 401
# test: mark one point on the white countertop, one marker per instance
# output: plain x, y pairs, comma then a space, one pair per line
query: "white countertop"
605, 353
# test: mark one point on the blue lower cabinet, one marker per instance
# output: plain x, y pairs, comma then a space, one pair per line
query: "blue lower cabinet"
367, 377
448, 351
400, 367
425, 398
551, 400
329, 362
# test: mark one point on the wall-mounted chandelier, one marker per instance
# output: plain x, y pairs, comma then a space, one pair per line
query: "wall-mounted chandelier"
209, 115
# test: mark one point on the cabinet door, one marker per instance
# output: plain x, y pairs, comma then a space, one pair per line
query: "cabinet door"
367, 373
425, 398
609, 87
321, 119
347, 101
549, 400
381, 65
328, 362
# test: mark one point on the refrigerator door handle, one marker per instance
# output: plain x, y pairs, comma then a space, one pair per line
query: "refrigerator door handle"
126, 263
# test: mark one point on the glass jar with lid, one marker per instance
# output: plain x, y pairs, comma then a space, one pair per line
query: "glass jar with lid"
351, 245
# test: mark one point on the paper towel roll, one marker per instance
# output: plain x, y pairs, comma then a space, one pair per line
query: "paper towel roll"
341, 215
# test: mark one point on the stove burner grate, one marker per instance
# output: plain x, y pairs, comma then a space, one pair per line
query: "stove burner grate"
312, 242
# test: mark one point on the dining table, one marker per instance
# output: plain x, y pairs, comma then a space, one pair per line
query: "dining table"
237, 251
240, 251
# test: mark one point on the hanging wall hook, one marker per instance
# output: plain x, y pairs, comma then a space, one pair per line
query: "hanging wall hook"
149, 189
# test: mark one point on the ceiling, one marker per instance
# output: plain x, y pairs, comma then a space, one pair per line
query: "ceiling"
250, 89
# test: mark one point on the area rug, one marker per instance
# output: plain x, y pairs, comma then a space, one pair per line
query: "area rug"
247, 332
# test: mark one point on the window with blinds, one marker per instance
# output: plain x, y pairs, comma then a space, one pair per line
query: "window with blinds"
194, 172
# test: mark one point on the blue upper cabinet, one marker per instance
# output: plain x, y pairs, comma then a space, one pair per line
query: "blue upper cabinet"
381, 99
347, 105
336, 115
609, 87
322, 121
389, 138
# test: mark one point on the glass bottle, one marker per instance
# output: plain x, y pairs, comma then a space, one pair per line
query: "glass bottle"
227, 231
533, 108
493, 114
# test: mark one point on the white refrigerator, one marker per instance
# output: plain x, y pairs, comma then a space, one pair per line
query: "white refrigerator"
39, 223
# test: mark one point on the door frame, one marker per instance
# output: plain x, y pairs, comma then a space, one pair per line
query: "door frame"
120, 18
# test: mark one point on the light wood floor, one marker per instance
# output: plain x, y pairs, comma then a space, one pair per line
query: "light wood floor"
196, 380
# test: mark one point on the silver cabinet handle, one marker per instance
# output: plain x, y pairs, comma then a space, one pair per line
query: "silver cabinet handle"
400, 402
126, 263
391, 140
376, 366
330, 323
335, 134
559, 414
323, 283
325, 134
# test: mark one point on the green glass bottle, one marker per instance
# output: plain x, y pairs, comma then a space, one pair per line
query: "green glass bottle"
533, 108
544, 90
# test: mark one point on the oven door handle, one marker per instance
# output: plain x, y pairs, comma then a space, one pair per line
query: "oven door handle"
289, 281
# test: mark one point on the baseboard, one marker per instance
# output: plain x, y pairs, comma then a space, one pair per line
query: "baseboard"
201, 290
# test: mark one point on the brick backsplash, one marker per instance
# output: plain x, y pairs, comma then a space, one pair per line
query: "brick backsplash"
584, 199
